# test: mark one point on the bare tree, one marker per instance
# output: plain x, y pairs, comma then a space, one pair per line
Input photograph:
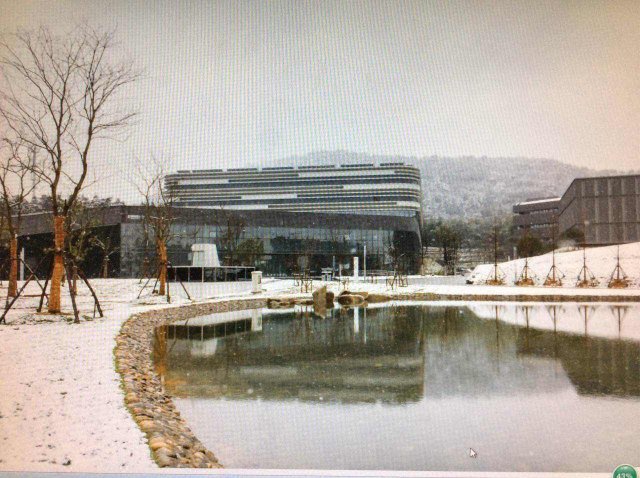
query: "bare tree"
448, 239
231, 229
80, 226
108, 249
158, 214
394, 253
59, 95
15, 188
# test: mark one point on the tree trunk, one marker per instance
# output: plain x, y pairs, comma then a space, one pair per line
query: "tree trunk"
58, 264
162, 257
105, 267
13, 267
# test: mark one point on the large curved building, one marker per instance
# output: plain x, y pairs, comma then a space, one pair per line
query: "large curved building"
280, 220
384, 188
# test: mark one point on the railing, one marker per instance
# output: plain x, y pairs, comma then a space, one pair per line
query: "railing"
209, 274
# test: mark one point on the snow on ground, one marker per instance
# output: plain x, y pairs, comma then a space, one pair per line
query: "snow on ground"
61, 406
600, 260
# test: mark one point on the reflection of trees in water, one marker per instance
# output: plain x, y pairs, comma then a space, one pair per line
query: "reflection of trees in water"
595, 366
406, 323
160, 352
300, 330
553, 311
586, 312
620, 313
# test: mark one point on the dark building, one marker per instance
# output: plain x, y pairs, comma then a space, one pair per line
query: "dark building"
276, 242
605, 210
536, 217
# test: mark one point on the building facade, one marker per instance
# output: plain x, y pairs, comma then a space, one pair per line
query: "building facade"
276, 242
595, 211
536, 217
385, 188
605, 210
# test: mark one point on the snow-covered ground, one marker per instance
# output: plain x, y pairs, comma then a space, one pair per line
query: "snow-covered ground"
600, 260
61, 406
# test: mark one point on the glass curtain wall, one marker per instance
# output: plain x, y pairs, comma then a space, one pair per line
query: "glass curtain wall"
274, 250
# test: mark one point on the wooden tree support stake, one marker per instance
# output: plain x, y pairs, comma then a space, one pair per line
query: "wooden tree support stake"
72, 292
96, 302
9, 304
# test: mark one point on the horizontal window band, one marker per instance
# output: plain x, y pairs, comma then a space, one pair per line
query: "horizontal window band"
303, 182
343, 199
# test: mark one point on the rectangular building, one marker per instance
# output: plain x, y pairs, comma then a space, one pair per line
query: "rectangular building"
606, 210
536, 217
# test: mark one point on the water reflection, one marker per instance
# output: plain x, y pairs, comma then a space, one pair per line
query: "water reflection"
369, 355
482, 371
360, 356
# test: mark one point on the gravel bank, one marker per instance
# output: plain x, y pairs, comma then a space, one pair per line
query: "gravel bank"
170, 439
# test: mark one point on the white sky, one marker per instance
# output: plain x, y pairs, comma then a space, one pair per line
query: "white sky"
234, 83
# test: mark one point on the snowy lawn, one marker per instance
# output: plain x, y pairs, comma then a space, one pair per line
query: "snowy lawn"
61, 406
600, 260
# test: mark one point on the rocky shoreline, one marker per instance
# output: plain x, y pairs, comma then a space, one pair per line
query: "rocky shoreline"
171, 441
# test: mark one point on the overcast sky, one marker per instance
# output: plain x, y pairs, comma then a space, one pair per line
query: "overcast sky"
236, 83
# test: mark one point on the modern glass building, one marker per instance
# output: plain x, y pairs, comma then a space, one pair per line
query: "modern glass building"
384, 188
280, 220
276, 242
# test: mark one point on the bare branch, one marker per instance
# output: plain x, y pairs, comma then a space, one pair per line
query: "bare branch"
58, 95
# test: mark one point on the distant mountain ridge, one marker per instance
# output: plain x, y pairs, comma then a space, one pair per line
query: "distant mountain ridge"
471, 187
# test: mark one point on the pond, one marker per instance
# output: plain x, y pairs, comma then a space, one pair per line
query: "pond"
419, 386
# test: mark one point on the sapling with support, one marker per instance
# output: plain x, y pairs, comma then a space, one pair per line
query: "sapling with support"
159, 217
69, 266
497, 276
554, 276
618, 278
157, 277
586, 278
527, 276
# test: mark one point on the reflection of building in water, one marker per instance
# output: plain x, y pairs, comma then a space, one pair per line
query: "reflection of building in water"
398, 354
393, 354
595, 366
597, 349
365, 358
198, 336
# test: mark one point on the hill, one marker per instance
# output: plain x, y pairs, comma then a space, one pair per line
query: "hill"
472, 187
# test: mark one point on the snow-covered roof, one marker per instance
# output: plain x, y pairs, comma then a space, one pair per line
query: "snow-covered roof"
538, 201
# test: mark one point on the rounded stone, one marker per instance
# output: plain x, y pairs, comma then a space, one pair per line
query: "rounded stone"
147, 425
